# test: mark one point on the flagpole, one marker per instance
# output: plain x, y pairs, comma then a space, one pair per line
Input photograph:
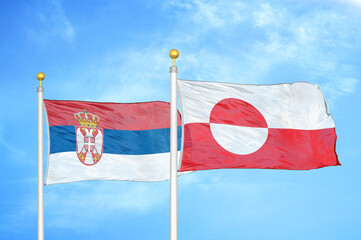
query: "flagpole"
40, 76
173, 148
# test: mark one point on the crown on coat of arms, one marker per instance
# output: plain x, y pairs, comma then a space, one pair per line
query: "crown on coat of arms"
86, 119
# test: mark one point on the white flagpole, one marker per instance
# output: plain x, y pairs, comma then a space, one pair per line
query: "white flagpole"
40, 76
173, 148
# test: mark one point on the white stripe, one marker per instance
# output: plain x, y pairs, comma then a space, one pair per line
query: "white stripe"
65, 167
294, 106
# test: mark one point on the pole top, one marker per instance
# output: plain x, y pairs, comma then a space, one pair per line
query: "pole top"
173, 54
40, 76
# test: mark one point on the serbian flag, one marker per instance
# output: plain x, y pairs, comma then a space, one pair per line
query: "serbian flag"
108, 141
283, 126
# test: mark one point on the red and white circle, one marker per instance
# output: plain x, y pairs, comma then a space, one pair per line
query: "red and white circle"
238, 126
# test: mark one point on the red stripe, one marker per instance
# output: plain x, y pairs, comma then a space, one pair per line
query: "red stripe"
283, 149
120, 116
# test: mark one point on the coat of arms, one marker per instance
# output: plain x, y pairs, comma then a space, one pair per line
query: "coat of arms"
89, 139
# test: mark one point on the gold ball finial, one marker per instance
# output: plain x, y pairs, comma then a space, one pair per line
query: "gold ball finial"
173, 54
40, 76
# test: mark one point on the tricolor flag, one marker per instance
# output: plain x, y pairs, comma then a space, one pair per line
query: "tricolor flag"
283, 126
108, 141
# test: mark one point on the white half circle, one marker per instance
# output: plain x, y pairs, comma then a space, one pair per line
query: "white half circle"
238, 139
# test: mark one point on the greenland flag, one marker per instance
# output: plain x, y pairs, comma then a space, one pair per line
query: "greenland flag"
283, 126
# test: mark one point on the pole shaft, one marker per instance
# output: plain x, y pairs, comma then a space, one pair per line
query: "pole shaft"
40, 91
173, 154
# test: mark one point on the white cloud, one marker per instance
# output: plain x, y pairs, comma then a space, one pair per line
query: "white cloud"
312, 42
233, 42
133, 75
338, 87
15, 152
72, 205
52, 22
348, 85
81, 206
267, 16
352, 2
210, 13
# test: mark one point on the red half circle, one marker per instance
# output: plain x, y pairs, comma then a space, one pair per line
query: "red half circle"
237, 112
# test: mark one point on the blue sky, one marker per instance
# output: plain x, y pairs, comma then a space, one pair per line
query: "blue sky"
118, 51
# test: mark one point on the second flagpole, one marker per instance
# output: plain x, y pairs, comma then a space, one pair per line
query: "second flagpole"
40, 76
173, 148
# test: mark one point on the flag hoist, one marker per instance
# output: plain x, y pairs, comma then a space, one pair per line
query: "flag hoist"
173, 147
40, 76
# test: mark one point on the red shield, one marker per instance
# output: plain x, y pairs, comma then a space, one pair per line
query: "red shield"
89, 145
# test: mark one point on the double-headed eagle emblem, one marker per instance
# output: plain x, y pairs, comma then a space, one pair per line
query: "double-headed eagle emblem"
89, 139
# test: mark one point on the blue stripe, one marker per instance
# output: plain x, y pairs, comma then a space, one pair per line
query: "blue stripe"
63, 139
